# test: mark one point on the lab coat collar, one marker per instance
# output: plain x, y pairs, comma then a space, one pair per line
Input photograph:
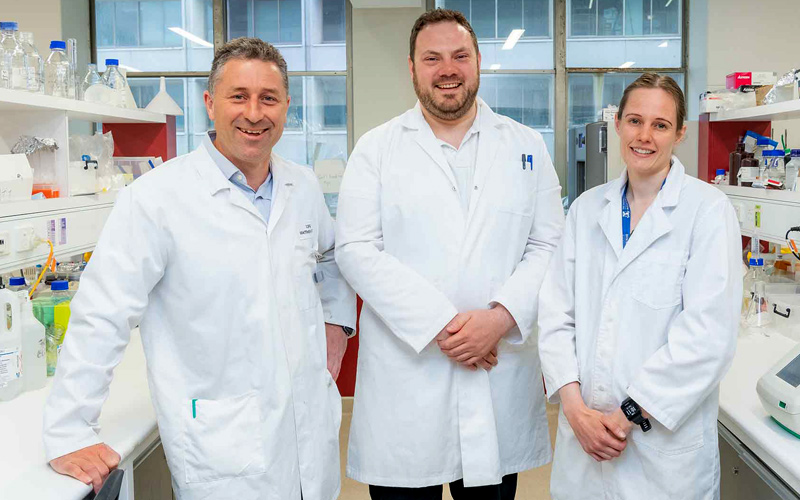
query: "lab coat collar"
488, 123
654, 224
283, 186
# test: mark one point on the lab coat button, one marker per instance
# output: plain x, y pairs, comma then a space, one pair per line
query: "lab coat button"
454, 188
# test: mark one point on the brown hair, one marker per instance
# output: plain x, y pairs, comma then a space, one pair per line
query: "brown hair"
246, 48
656, 81
436, 16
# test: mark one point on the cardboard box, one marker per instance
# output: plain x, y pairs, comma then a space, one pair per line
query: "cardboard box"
736, 80
757, 78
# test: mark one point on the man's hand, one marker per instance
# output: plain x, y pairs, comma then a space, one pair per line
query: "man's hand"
618, 423
336, 341
89, 465
487, 363
475, 334
600, 437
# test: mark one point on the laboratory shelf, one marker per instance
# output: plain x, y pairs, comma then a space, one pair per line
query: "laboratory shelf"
72, 224
787, 110
16, 100
768, 212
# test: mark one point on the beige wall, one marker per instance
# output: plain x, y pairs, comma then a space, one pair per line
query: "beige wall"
382, 87
41, 17
740, 35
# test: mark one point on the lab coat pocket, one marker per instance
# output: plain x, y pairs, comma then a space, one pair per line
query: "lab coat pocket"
305, 291
688, 437
658, 280
335, 401
223, 439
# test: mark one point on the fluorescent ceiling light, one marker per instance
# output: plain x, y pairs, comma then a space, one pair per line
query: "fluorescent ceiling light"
664, 44
494, 66
129, 68
193, 38
592, 1
626, 65
668, 2
512, 39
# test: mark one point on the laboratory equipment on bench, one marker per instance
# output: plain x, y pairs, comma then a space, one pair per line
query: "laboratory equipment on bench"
11, 382
35, 63
16, 178
779, 391
52, 311
34, 345
14, 61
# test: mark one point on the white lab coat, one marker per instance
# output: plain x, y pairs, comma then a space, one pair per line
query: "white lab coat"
232, 327
408, 249
656, 321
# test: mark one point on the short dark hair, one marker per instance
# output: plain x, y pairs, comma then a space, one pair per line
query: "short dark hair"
246, 48
436, 16
656, 81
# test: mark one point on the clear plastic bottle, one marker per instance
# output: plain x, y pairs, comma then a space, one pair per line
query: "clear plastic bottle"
92, 78
17, 284
15, 61
754, 273
35, 63
721, 177
116, 81
11, 376
792, 169
56, 70
47, 311
34, 346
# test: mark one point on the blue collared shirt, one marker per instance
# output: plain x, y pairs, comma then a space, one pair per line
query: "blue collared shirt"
262, 198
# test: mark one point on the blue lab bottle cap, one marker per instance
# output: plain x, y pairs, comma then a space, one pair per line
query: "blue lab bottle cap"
8, 25
721, 171
112, 62
756, 262
796, 152
762, 141
59, 286
58, 44
16, 281
773, 152
752, 134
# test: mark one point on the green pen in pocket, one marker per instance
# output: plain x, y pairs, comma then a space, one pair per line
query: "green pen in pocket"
194, 408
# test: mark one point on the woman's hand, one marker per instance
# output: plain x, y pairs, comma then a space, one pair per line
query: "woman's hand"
591, 426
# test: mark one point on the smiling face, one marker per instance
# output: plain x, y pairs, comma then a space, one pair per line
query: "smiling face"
445, 70
648, 131
248, 108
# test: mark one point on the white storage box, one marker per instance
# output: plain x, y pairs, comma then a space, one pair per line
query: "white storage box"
16, 178
784, 311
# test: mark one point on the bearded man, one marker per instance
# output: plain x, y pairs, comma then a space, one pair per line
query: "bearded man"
447, 218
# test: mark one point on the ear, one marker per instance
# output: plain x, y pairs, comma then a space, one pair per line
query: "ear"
616, 122
681, 135
479, 61
209, 102
410, 67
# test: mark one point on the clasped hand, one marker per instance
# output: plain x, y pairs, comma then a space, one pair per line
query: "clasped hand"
602, 436
471, 338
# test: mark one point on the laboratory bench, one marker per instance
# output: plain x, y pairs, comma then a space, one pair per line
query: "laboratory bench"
759, 460
128, 425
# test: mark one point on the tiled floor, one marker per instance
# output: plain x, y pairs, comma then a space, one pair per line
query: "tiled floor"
533, 484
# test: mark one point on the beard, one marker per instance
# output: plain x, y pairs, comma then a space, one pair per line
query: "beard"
450, 108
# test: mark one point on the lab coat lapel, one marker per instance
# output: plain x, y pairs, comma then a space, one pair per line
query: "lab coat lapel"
655, 223
610, 219
283, 186
423, 136
217, 183
489, 147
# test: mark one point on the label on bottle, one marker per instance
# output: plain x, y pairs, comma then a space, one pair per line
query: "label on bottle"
42, 349
10, 364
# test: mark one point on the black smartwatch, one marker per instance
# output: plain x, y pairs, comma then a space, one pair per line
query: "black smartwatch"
634, 414
349, 332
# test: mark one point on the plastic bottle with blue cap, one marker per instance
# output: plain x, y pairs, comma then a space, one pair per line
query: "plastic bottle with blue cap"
721, 176
56, 70
34, 345
11, 375
14, 61
115, 80
52, 311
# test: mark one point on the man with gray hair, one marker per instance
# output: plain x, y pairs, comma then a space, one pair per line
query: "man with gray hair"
224, 258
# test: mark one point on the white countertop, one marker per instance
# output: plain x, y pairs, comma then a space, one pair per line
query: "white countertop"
127, 421
741, 412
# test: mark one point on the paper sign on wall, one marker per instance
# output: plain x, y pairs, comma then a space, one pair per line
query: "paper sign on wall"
329, 173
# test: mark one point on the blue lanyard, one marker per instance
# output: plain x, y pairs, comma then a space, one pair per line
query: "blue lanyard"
626, 215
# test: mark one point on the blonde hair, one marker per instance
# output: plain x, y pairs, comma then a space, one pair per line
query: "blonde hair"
656, 81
